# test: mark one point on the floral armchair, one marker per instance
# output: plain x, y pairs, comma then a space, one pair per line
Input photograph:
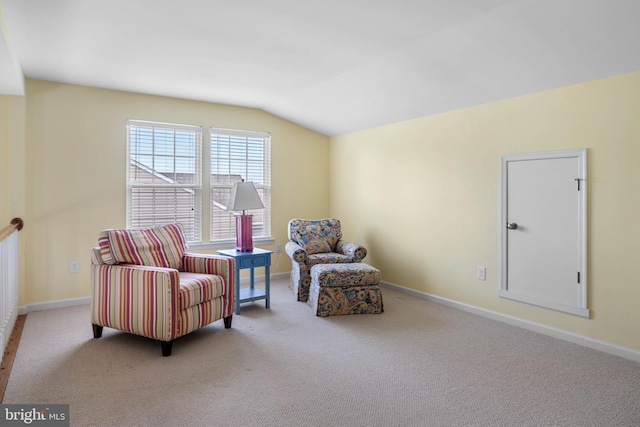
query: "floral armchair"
314, 242
144, 283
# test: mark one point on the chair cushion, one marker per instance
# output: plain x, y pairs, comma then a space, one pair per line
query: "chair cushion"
154, 247
312, 240
328, 258
196, 288
352, 274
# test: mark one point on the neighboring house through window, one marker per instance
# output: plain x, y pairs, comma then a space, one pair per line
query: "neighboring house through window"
167, 170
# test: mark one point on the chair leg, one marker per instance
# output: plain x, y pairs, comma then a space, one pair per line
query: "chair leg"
97, 331
166, 348
227, 321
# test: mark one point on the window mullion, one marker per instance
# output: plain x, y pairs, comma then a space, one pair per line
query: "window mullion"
205, 194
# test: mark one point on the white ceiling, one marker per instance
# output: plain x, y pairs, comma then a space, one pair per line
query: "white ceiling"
334, 66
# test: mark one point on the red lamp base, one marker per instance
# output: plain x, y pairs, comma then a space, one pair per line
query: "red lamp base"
244, 238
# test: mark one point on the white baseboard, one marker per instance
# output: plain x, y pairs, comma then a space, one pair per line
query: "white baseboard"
52, 305
582, 340
260, 278
281, 275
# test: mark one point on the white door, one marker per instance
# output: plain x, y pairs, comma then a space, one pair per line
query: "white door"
544, 230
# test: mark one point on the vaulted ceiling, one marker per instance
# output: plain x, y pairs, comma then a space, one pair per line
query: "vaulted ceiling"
334, 66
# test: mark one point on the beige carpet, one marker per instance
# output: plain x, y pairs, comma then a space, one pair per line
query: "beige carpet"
417, 364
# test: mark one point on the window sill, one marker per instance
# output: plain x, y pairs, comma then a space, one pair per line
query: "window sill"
258, 241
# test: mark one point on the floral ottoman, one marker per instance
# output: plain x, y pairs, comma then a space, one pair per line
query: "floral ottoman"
345, 289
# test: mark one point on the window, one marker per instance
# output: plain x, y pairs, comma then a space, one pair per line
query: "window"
167, 166
238, 156
164, 183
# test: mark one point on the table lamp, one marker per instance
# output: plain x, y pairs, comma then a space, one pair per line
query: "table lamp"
244, 196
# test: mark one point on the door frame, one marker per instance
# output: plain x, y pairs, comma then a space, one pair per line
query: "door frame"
503, 291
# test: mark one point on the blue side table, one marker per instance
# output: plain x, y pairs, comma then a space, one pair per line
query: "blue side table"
256, 258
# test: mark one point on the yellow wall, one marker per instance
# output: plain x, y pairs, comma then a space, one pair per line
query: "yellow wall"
12, 173
76, 173
4, 161
428, 234
424, 197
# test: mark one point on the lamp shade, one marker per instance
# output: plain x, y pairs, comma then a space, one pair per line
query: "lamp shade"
244, 196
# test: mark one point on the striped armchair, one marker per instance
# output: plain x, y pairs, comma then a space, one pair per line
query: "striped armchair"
145, 283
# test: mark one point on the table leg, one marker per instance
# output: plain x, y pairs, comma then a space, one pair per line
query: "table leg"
237, 290
267, 279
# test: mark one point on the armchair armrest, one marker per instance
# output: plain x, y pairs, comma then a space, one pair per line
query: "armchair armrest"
209, 264
219, 265
352, 250
296, 252
96, 256
212, 264
137, 299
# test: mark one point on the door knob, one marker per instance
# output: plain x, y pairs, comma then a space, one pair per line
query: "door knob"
512, 226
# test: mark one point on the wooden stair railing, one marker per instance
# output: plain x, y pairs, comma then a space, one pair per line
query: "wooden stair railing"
15, 225
8, 281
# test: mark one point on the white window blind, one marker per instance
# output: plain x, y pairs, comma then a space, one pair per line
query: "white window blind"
164, 176
236, 156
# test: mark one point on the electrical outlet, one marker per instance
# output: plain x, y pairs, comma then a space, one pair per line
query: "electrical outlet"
278, 248
74, 267
481, 272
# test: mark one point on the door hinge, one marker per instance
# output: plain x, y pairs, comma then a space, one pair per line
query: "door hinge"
578, 277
